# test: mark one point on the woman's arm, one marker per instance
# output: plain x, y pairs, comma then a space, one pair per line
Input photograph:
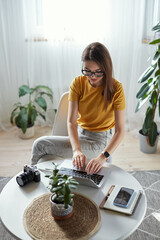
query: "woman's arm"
119, 132
95, 164
72, 125
78, 157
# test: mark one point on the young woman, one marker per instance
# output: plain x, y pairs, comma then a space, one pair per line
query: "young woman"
96, 105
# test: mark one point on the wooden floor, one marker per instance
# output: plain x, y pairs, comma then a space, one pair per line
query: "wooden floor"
15, 152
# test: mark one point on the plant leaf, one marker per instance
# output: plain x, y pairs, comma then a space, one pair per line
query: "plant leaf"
54, 197
33, 115
24, 89
61, 183
72, 195
43, 87
41, 102
153, 134
74, 182
56, 189
148, 72
141, 102
42, 115
155, 41
155, 58
53, 183
22, 120
59, 199
158, 80
159, 63
148, 119
153, 99
50, 95
143, 90
157, 73
72, 186
71, 202
156, 27
145, 130
13, 114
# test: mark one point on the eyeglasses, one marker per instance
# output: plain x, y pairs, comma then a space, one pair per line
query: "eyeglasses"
89, 73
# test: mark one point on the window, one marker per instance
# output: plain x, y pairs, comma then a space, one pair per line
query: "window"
151, 18
59, 20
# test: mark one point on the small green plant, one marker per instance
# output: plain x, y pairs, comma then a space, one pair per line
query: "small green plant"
151, 91
61, 186
25, 115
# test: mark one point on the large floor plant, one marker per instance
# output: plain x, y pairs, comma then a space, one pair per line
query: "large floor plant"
150, 91
24, 115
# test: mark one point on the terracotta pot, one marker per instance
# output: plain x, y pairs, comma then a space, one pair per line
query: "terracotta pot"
144, 144
59, 212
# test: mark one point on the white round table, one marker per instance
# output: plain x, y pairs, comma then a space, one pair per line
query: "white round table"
115, 226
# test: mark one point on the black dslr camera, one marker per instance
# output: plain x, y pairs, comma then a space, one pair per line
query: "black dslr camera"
30, 174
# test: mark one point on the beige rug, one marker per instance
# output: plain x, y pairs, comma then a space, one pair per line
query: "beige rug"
84, 222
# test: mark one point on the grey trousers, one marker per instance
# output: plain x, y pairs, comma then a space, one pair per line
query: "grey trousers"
92, 144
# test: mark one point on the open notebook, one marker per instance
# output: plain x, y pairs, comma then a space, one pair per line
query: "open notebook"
107, 202
94, 180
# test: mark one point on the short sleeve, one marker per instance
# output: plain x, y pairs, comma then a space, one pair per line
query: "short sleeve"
119, 97
74, 93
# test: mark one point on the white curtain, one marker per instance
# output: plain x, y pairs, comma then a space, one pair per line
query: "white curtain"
55, 61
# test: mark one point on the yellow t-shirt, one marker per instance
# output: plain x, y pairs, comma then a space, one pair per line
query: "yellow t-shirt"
92, 114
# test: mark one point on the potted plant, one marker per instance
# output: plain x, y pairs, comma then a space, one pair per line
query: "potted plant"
62, 197
150, 91
24, 115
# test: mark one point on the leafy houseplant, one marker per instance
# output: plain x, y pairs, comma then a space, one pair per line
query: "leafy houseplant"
151, 91
62, 198
25, 115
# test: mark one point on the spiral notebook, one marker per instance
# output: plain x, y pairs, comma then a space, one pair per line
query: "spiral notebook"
107, 202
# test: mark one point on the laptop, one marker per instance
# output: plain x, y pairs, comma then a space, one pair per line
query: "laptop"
93, 180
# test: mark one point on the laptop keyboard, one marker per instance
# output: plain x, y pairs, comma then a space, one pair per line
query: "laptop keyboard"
96, 178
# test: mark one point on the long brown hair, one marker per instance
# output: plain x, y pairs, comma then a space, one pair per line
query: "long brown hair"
98, 53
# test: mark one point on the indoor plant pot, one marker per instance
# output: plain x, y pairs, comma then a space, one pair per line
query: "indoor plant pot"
59, 211
24, 115
150, 91
28, 134
144, 143
62, 198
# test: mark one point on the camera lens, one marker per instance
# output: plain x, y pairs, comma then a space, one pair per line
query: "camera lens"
24, 178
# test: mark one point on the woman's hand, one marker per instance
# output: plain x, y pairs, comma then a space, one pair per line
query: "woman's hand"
95, 164
79, 159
